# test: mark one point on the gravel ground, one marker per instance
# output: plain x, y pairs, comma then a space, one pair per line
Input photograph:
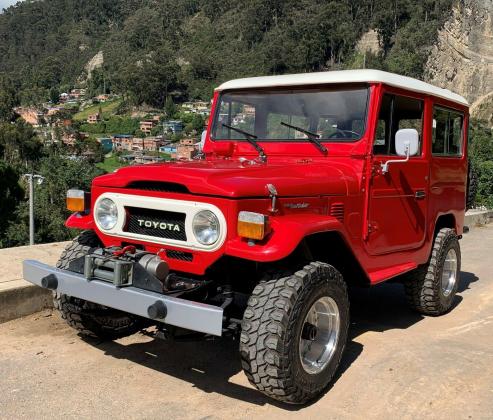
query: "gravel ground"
397, 364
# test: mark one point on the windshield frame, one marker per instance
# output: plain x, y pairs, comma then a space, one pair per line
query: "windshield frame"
323, 87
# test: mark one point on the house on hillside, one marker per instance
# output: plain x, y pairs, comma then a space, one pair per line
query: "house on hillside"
69, 137
174, 126
187, 149
122, 142
106, 144
93, 118
147, 144
77, 93
168, 148
147, 125
196, 107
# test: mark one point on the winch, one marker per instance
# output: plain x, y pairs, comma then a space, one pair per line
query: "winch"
128, 266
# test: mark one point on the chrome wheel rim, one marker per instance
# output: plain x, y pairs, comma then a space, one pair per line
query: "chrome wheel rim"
319, 335
449, 272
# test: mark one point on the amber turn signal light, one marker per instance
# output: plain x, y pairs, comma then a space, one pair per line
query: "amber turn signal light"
76, 200
252, 225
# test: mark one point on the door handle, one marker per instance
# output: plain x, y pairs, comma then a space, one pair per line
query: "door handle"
418, 195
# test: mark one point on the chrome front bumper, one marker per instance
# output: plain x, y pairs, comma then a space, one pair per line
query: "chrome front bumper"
182, 313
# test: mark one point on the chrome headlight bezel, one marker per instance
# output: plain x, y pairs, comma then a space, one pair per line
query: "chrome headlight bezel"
106, 214
206, 227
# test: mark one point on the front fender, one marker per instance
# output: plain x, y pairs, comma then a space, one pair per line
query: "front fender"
287, 232
80, 221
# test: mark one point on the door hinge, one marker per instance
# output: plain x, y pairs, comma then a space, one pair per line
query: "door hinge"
376, 169
372, 227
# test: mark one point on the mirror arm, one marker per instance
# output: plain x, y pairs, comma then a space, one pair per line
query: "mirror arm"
385, 165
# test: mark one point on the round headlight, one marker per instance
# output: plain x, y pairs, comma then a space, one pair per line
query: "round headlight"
206, 227
106, 214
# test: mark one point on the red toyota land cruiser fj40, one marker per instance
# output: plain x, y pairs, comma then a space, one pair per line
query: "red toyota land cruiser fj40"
307, 183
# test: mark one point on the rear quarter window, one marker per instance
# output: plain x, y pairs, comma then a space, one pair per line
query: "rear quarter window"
448, 132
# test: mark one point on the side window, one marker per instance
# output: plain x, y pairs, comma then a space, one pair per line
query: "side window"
397, 112
455, 137
382, 135
447, 132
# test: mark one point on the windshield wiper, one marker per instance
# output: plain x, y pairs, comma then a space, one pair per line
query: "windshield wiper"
312, 137
250, 138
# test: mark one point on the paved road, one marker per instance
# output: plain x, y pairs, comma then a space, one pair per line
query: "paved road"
398, 365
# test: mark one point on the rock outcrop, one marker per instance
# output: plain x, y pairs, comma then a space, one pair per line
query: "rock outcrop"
368, 43
94, 63
462, 59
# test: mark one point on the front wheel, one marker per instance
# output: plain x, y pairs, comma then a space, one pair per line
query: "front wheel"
294, 331
88, 318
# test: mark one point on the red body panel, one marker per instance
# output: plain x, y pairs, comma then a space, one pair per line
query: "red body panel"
388, 230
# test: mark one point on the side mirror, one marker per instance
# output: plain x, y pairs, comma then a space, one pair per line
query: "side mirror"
406, 145
406, 142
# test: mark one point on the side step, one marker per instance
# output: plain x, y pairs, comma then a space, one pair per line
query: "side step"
182, 313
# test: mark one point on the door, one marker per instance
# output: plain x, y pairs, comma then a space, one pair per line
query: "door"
398, 199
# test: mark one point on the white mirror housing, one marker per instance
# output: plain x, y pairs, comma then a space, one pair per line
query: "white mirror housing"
407, 142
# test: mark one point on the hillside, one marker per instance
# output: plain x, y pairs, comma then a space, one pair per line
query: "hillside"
149, 49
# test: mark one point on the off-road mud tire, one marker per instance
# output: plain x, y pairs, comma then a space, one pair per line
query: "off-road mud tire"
423, 285
271, 327
472, 186
90, 319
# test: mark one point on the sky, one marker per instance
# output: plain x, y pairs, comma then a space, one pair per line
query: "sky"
7, 3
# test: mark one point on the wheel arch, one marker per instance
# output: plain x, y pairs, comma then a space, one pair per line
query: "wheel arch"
331, 247
445, 221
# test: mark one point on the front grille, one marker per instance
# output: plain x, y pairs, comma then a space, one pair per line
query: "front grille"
158, 186
179, 255
157, 223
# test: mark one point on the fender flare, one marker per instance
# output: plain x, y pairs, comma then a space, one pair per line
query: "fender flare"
287, 233
80, 221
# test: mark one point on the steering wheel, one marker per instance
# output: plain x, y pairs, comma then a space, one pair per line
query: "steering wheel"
338, 132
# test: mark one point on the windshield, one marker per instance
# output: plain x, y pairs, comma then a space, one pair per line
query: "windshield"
326, 114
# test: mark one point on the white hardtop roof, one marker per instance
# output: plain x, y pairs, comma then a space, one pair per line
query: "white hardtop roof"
344, 76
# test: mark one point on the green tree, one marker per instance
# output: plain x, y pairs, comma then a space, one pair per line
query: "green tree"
485, 183
54, 95
140, 134
11, 193
19, 144
8, 98
170, 108
61, 174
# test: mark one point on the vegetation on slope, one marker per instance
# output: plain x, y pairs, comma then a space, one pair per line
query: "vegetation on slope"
183, 48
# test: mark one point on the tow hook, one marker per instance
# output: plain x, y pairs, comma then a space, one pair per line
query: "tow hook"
49, 282
157, 310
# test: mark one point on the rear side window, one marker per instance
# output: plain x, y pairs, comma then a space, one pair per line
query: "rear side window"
447, 132
396, 112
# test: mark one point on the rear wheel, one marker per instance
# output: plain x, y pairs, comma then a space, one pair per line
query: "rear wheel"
294, 331
472, 186
431, 288
91, 319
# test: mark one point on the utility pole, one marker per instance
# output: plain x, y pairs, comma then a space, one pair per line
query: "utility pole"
30, 179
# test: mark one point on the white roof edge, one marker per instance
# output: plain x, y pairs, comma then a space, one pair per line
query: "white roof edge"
344, 76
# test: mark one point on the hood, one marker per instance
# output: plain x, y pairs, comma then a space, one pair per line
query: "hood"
233, 179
